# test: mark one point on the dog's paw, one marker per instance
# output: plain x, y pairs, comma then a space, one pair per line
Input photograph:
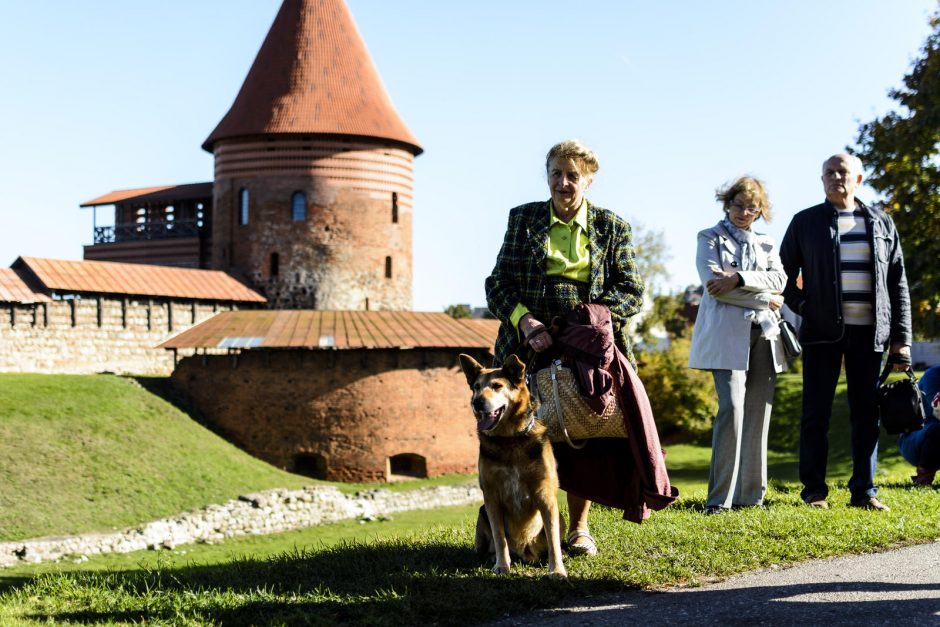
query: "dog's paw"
500, 570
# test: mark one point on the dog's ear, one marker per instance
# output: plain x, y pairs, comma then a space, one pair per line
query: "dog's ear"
471, 368
514, 369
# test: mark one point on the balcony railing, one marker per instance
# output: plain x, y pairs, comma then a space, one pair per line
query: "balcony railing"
148, 231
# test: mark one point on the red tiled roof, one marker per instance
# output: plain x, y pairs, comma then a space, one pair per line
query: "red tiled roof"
313, 74
13, 289
335, 329
163, 192
484, 326
108, 277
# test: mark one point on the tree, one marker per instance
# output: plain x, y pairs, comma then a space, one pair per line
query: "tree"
901, 149
652, 253
458, 311
684, 402
666, 314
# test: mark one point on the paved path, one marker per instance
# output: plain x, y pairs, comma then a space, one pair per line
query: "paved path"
900, 587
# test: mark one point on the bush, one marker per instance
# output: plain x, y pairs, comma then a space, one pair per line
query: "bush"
683, 400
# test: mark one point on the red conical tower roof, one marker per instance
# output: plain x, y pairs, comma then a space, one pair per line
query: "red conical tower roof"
313, 74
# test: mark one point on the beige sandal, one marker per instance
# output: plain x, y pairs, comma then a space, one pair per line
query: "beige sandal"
580, 542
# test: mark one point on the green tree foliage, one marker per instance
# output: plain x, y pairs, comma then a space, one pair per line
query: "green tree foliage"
652, 253
683, 400
666, 313
458, 311
901, 148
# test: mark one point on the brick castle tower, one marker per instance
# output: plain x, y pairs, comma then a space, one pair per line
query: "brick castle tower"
312, 198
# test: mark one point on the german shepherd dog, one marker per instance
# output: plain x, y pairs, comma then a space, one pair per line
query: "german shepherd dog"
517, 470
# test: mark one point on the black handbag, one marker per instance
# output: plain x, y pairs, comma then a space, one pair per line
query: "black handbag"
791, 345
900, 403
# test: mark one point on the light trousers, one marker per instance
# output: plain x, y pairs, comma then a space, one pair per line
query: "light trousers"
738, 473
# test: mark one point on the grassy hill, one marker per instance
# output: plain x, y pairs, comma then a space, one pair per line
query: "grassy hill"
83, 453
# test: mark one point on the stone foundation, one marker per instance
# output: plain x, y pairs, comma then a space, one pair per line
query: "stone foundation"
273, 511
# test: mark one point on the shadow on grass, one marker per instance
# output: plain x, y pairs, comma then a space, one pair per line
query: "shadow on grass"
391, 583
163, 388
12, 582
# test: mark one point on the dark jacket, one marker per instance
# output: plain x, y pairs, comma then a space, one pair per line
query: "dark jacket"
811, 247
627, 474
519, 274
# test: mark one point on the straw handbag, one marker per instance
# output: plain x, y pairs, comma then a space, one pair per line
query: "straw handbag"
565, 412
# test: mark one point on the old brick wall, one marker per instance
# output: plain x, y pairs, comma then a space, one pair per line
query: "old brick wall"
354, 409
88, 335
358, 221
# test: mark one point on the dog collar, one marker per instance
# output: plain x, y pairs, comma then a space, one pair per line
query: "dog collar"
528, 427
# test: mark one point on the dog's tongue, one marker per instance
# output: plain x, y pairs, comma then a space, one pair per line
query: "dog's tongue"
488, 421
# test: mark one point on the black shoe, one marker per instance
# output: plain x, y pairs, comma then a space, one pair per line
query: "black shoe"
711, 510
870, 503
924, 477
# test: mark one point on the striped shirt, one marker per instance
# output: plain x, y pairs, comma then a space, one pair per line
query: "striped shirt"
855, 268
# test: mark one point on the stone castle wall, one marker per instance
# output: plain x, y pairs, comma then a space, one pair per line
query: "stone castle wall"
352, 251
351, 410
88, 335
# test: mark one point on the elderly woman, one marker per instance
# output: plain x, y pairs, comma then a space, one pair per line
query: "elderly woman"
555, 255
736, 336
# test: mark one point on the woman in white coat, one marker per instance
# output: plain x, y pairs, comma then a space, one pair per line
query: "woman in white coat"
736, 336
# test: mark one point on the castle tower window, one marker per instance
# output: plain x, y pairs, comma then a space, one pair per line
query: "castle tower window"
298, 207
388, 267
275, 265
394, 207
243, 206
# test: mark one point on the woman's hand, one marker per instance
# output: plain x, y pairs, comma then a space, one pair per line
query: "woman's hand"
776, 302
723, 283
535, 333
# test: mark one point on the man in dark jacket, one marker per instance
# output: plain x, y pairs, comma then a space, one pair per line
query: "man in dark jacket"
854, 302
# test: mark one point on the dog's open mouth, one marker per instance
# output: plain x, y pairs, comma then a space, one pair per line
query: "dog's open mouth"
488, 420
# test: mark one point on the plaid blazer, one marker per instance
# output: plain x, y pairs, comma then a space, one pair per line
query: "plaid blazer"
519, 274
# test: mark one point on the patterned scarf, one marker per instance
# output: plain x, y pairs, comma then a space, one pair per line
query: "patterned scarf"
747, 240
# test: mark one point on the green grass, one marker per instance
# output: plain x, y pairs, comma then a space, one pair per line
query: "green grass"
419, 567
426, 573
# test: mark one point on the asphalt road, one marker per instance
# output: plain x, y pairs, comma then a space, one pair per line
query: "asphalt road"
900, 587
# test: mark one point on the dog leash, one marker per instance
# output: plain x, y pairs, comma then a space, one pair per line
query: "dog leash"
561, 414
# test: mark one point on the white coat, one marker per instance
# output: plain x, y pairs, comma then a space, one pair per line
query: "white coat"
721, 339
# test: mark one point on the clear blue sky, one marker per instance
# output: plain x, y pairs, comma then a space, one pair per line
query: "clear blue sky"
675, 97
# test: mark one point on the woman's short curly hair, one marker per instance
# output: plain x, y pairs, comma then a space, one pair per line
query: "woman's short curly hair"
751, 190
575, 150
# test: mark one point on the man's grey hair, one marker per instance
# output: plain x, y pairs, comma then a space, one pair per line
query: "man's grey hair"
857, 166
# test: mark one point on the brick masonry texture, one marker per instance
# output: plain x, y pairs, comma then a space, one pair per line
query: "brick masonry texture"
260, 513
351, 410
107, 335
358, 216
